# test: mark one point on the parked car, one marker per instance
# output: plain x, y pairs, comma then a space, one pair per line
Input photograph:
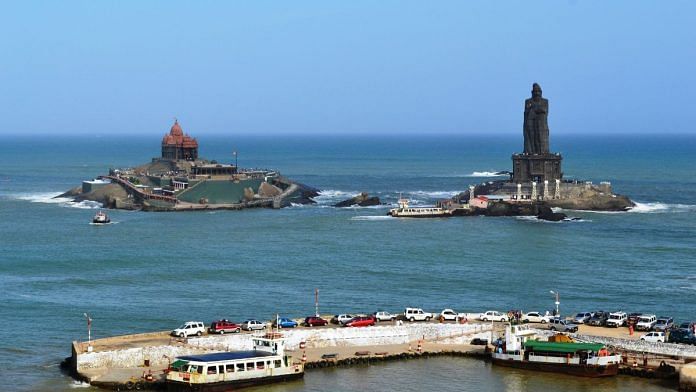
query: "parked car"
646, 322
417, 314
558, 324
284, 322
224, 326
451, 315
341, 319
663, 323
189, 328
493, 315
582, 317
654, 337
687, 325
681, 335
361, 321
384, 316
314, 321
633, 319
535, 317
253, 325
616, 319
599, 319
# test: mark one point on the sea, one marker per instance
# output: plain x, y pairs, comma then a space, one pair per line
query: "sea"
153, 271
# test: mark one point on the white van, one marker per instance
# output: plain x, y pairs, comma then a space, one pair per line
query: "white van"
417, 314
646, 322
190, 328
617, 319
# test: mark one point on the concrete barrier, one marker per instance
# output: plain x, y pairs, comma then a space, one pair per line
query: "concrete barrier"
159, 356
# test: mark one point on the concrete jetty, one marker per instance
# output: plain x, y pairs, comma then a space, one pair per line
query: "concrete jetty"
122, 361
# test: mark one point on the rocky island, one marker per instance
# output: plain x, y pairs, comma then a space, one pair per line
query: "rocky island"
179, 180
536, 184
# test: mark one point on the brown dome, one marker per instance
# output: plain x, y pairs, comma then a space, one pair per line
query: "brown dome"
176, 129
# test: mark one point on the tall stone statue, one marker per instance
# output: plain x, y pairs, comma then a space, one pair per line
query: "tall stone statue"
536, 127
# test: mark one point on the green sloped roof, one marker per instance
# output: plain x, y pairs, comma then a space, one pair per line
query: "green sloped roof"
561, 347
178, 363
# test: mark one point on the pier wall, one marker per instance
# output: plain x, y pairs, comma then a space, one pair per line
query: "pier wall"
159, 356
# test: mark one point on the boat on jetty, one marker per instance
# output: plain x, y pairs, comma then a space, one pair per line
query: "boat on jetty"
266, 363
100, 218
522, 349
405, 211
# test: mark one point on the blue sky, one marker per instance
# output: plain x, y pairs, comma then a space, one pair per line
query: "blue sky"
329, 67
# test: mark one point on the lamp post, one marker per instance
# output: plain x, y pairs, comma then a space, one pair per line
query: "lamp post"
89, 331
236, 167
558, 301
316, 302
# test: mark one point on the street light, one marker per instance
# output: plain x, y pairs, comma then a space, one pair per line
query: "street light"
89, 331
558, 301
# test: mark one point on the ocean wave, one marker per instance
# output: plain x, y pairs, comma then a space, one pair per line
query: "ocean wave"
52, 198
537, 220
657, 208
332, 196
433, 194
371, 218
487, 174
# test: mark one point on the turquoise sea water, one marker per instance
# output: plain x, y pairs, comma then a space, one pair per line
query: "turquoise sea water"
152, 271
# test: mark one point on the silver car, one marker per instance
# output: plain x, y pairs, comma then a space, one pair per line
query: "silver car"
583, 317
253, 325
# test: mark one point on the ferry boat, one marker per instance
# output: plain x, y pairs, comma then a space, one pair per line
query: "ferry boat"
227, 371
404, 211
522, 349
100, 218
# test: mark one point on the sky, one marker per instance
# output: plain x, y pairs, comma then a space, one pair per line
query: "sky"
345, 67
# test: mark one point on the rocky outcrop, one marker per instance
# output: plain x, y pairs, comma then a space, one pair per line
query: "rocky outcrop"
268, 190
540, 210
362, 200
595, 202
547, 214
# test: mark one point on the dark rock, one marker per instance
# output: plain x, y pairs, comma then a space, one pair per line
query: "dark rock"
546, 213
362, 200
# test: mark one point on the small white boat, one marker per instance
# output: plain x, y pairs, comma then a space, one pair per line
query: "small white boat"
266, 363
405, 211
100, 218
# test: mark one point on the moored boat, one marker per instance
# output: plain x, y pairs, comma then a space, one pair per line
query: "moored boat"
101, 218
405, 211
266, 363
522, 349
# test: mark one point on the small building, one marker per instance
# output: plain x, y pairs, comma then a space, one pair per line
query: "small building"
178, 146
479, 202
213, 169
93, 185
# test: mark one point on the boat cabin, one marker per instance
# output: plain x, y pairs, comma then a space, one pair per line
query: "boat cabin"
266, 361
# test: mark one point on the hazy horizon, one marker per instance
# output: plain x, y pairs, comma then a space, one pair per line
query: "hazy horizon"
310, 67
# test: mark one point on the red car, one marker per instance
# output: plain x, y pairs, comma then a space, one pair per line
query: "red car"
361, 321
314, 321
223, 326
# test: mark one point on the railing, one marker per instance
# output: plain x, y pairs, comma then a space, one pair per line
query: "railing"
137, 191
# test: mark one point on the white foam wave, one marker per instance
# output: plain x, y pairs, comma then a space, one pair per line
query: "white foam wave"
79, 384
537, 220
51, 198
433, 194
371, 218
657, 208
487, 174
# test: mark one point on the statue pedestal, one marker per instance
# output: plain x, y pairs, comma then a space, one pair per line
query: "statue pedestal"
536, 167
